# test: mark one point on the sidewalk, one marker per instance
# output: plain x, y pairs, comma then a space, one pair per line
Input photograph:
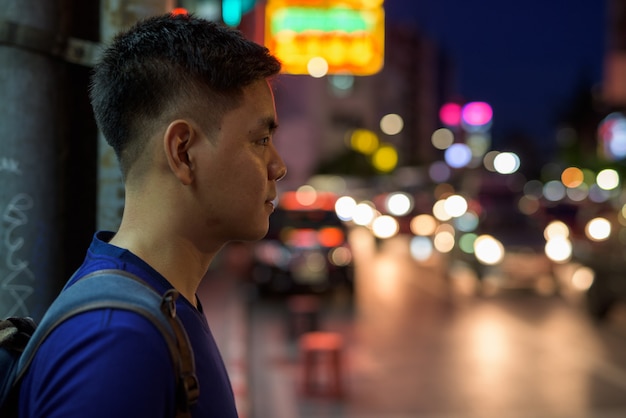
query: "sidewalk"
276, 368
260, 355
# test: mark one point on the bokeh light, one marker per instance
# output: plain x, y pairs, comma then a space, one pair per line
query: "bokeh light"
578, 194
306, 195
598, 195
559, 249
479, 144
607, 179
488, 250
399, 204
440, 212
439, 172
598, 229
556, 229
344, 208
488, 160
423, 225
442, 138
466, 243
340, 256
554, 190
341, 84
458, 155
330, 237
391, 124
533, 188
444, 241
455, 206
528, 205
364, 141
612, 133
467, 222
421, 248
385, 158
450, 114
385, 226
477, 113
572, 177
583, 278
506, 163
317, 67
364, 214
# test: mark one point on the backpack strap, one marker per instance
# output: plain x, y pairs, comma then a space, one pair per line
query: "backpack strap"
118, 289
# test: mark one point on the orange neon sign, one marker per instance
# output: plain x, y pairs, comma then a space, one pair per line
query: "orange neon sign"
348, 35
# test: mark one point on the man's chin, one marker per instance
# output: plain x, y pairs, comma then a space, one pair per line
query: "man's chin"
255, 235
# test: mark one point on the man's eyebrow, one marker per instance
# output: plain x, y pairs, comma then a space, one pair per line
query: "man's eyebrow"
269, 122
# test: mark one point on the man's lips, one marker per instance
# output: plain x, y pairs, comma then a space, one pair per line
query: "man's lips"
272, 201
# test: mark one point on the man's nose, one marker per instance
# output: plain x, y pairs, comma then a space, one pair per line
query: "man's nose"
277, 167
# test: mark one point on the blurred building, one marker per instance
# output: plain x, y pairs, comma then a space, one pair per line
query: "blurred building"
316, 115
614, 85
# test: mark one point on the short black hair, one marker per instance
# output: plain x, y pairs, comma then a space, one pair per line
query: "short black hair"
148, 71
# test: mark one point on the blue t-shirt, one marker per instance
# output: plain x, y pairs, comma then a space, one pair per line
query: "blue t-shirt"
115, 363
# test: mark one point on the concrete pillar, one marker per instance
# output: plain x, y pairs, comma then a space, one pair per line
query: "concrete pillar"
30, 144
116, 15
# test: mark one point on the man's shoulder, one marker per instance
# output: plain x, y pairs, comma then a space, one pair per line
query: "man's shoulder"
97, 358
105, 332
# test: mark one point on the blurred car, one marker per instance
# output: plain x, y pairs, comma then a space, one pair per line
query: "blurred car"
509, 252
305, 251
604, 253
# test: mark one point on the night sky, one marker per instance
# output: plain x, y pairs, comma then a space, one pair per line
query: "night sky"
526, 58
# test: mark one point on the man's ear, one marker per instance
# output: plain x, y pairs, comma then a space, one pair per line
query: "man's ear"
178, 138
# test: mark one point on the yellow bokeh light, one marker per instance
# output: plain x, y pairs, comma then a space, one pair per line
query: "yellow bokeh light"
364, 141
385, 159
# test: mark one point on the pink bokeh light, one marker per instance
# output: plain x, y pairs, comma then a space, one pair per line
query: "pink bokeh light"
477, 113
450, 114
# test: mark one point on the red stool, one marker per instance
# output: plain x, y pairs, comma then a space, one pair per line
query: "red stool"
321, 363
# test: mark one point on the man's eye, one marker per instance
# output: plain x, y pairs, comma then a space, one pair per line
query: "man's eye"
264, 141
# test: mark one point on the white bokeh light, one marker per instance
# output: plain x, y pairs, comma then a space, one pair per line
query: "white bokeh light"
385, 227
455, 206
399, 204
506, 163
488, 250
598, 229
364, 214
559, 249
607, 179
391, 124
556, 229
344, 208
317, 67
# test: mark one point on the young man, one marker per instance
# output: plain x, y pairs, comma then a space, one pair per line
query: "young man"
187, 106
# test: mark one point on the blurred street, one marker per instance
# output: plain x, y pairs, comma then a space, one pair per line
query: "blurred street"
415, 347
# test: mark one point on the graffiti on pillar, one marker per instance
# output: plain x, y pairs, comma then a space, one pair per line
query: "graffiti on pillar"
18, 282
